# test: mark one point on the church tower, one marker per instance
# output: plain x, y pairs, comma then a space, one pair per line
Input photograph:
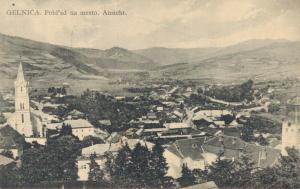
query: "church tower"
22, 121
291, 127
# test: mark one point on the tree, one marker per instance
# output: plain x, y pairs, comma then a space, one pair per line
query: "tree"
32, 169
122, 166
109, 165
288, 170
187, 177
65, 150
200, 175
261, 140
158, 165
247, 132
284, 175
227, 118
95, 173
63, 91
2, 118
66, 129
10, 176
242, 174
54, 162
222, 172
140, 168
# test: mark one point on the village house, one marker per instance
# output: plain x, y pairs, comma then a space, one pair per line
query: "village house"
202, 151
11, 140
80, 128
75, 114
101, 151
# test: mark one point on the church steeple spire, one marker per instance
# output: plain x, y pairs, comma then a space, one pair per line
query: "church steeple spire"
20, 76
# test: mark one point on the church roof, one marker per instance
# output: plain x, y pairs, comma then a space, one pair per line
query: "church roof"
20, 75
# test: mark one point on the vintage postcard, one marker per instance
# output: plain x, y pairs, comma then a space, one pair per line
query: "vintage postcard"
191, 94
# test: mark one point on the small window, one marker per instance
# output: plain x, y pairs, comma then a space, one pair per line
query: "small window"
194, 145
22, 118
21, 89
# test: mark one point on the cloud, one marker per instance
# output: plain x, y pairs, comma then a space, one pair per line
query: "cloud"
171, 23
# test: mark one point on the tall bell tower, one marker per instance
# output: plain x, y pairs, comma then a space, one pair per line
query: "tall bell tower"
22, 107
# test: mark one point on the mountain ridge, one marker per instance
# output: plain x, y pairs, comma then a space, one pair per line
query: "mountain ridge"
44, 62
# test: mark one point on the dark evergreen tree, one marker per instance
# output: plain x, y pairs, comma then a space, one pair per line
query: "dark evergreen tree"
109, 165
10, 176
158, 166
288, 170
123, 167
187, 177
140, 168
222, 172
66, 129
284, 175
54, 162
244, 168
200, 175
95, 172
63, 91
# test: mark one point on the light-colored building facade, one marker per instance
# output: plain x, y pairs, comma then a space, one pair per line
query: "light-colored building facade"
21, 119
100, 150
291, 127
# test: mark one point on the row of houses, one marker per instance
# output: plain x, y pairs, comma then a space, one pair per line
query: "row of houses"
197, 153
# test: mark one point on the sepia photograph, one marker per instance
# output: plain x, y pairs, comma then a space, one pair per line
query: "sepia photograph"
140, 94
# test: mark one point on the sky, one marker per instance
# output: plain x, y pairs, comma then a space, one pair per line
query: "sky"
163, 23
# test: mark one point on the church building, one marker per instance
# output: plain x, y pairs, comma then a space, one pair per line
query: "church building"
21, 120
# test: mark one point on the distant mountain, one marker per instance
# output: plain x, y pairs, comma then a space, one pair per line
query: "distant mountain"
45, 62
166, 56
117, 58
256, 59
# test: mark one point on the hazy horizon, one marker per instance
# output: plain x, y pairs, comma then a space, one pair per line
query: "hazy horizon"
171, 24
117, 46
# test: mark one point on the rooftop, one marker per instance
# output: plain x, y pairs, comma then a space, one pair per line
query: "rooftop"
230, 147
177, 125
5, 160
9, 138
206, 185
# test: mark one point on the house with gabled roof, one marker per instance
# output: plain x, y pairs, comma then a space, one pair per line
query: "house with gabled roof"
11, 140
199, 152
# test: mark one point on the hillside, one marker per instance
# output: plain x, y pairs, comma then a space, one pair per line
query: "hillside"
117, 58
45, 62
167, 56
267, 61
